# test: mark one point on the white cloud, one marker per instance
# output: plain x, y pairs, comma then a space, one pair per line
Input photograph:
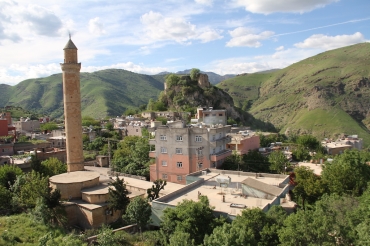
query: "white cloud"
41, 20
271, 6
279, 59
204, 2
96, 27
279, 48
210, 35
324, 42
159, 27
243, 36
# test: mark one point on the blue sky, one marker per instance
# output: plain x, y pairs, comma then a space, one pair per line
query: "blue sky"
143, 36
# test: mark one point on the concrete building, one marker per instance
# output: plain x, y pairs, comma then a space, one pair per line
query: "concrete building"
211, 116
26, 125
229, 192
242, 143
180, 150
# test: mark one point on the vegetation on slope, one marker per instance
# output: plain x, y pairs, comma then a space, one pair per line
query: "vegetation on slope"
325, 95
106, 92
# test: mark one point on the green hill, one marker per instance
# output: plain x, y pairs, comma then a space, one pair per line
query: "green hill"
106, 92
325, 95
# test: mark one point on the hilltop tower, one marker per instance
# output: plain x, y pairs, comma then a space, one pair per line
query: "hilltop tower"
72, 107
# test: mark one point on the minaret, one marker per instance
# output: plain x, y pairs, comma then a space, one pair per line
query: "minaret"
72, 107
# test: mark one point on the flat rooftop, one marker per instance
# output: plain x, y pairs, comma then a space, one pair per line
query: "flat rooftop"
234, 203
317, 168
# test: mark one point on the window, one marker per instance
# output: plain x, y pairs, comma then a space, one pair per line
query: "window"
178, 138
214, 151
219, 114
179, 177
213, 114
164, 163
137, 130
200, 165
220, 134
179, 164
163, 137
198, 138
179, 151
164, 175
163, 150
206, 115
213, 137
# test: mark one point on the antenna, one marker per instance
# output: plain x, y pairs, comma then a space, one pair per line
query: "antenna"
69, 35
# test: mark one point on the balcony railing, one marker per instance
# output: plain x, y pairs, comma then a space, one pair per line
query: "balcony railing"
221, 155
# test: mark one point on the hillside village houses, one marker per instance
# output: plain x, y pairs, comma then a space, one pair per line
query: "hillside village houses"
182, 149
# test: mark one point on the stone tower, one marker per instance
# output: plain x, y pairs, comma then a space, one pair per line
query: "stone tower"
72, 107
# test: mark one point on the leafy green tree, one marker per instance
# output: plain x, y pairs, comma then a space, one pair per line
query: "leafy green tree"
309, 187
5, 198
194, 73
301, 228
328, 223
132, 156
158, 185
8, 175
23, 139
49, 126
138, 212
171, 80
49, 210
107, 237
348, 173
254, 161
301, 154
194, 218
162, 119
180, 238
89, 121
53, 166
309, 142
109, 126
35, 163
118, 199
28, 188
265, 141
131, 111
252, 227
278, 161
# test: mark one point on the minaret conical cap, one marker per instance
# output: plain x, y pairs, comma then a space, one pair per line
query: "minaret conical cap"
70, 45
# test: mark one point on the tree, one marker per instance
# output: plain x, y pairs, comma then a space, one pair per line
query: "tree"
5, 198
132, 156
158, 185
194, 73
348, 173
109, 126
254, 161
309, 142
107, 237
328, 223
49, 210
49, 126
53, 166
118, 199
89, 121
8, 175
180, 238
301, 154
278, 161
194, 218
309, 187
138, 212
252, 227
28, 188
